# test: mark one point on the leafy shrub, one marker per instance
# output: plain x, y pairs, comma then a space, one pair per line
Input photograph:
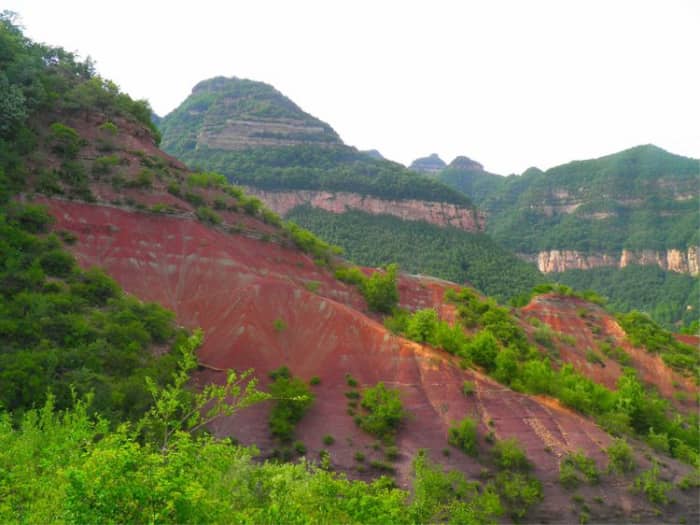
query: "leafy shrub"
65, 140
312, 286
391, 452
574, 464
328, 439
350, 275
309, 243
509, 455
621, 457
380, 290
468, 388
463, 436
206, 180
593, 357
195, 199
103, 165
422, 325
57, 263
519, 491
483, 349
655, 490
206, 214
384, 411
315, 380
31, 218
293, 399
143, 180
109, 128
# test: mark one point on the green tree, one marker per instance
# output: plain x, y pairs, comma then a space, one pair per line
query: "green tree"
380, 290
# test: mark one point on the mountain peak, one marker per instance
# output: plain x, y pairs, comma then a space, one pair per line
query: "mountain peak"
430, 164
235, 113
465, 163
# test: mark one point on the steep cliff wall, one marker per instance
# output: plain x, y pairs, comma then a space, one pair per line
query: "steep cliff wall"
674, 260
439, 213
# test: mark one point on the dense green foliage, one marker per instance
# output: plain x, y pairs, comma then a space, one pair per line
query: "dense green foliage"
502, 349
292, 397
642, 331
665, 296
72, 466
419, 247
64, 330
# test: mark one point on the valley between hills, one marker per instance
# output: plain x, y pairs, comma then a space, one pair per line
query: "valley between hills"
215, 331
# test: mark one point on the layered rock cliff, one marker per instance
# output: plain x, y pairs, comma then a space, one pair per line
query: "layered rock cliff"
674, 260
438, 213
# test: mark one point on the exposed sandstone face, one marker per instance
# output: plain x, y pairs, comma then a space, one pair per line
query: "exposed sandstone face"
238, 134
673, 260
439, 213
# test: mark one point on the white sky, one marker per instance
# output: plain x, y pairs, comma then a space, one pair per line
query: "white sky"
510, 84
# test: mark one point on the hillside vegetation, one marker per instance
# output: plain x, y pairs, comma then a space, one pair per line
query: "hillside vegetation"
419, 247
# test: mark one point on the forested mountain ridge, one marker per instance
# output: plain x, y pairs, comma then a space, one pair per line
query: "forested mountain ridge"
602, 224
640, 206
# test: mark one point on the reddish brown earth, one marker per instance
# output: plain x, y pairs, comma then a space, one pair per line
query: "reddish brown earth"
235, 287
590, 325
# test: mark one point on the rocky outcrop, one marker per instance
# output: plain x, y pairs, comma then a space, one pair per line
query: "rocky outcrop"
431, 164
439, 213
674, 260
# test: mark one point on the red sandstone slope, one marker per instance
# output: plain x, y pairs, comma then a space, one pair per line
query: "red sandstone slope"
235, 287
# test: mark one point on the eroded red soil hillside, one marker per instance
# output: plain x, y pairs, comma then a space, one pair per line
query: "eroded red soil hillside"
254, 301
587, 328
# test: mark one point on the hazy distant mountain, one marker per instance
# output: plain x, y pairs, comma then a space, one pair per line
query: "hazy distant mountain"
430, 164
